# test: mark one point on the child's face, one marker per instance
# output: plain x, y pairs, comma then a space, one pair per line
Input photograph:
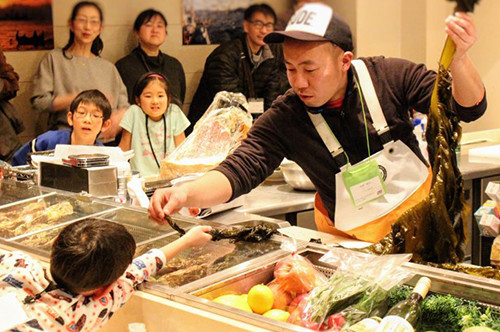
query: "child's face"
153, 100
87, 122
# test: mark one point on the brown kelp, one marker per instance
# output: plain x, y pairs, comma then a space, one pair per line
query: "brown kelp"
435, 229
256, 233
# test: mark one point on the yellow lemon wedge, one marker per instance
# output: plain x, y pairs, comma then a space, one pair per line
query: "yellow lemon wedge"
277, 314
235, 301
260, 298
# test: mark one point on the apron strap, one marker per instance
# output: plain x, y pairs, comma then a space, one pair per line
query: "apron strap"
370, 96
374, 109
329, 139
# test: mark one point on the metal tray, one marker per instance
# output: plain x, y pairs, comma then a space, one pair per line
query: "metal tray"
36, 215
202, 266
40, 243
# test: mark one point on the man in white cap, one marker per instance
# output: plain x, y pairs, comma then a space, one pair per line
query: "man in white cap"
333, 119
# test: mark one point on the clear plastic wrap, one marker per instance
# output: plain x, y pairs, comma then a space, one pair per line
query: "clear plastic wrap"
297, 275
218, 132
357, 290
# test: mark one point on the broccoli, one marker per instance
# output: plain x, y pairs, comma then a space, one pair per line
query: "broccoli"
449, 313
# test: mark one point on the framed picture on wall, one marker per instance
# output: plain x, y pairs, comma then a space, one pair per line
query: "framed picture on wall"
212, 21
26, 25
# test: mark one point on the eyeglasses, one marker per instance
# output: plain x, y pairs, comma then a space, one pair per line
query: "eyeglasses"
94, 116
91, 21
259, 25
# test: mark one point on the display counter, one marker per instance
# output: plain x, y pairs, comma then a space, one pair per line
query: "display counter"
163, 309
181, 300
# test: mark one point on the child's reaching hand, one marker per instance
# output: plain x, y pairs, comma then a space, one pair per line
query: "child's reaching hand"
195, 237
198, 236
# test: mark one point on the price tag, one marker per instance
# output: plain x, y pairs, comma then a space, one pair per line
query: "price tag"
256, 106
11, 312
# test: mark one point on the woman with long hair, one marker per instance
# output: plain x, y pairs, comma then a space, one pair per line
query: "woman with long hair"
78, 66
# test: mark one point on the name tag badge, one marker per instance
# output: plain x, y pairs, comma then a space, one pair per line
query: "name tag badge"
364, 182
256, 106
11, 312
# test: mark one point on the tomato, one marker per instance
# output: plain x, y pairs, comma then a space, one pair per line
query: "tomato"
295, 302
310, 325
335, 320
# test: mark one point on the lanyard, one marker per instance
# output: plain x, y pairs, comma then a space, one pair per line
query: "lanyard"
367, 92
164, 139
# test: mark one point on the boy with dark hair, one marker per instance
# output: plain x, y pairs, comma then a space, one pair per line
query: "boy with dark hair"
91, 275
89, 115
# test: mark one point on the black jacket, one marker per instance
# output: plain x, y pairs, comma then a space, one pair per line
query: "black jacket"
137, 63
229, 68
10, 122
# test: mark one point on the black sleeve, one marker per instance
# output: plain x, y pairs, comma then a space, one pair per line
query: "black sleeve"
256, 158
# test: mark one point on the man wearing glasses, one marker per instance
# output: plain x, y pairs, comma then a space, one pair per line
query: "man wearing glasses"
247, 65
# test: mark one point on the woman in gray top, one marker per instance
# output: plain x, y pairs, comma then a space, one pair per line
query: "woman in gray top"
62, 74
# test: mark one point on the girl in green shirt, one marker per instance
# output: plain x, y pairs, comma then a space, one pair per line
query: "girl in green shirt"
153, 126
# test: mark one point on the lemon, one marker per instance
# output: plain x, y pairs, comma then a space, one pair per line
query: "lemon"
235, 301
277, 314
260, 298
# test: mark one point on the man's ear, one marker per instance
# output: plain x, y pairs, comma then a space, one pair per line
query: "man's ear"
105, 125
346, 60
69, 117
245, 26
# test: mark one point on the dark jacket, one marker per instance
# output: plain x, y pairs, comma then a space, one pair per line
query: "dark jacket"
44, 142
137, 63
229, 68
10, 123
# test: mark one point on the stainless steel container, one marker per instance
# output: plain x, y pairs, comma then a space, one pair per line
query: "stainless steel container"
485, 291
97, 181
295, 176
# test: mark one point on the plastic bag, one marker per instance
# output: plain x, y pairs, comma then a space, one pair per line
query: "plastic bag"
357, 290
294, 275
297, 275
218, 132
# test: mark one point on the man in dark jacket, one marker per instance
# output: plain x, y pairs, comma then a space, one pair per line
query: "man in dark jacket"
10, 123
247, 65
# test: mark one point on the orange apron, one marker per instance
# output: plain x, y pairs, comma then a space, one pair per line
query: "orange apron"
375, 230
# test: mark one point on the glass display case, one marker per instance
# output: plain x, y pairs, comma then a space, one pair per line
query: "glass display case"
13, 191
28, 217
194, 264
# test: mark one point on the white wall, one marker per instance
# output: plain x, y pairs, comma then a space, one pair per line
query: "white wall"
119, 16
412, 29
